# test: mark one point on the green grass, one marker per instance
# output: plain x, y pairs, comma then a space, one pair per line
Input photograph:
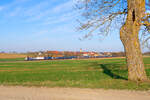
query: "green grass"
11, 59
99, 73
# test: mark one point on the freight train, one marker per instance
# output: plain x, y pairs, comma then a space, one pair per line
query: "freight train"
61, 58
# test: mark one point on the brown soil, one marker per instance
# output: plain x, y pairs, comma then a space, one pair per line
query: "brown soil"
6, 55
33, 93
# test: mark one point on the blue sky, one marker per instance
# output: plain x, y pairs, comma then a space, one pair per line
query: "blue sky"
32, 25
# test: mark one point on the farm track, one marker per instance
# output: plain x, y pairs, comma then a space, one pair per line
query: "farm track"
34, 93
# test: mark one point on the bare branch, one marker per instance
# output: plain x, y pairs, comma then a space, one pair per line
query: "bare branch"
98, 13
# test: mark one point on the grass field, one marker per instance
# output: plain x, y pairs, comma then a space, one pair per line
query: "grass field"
11, 59
95, 73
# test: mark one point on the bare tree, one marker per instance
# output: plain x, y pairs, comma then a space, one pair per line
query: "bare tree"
132, 15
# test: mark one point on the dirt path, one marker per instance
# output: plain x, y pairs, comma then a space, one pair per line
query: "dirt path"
25, 93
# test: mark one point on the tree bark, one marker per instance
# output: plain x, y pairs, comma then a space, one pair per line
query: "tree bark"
129, 35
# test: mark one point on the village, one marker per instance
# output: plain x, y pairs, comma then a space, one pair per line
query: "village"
50, 55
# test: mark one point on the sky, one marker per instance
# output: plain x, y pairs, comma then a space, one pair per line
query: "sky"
40, 25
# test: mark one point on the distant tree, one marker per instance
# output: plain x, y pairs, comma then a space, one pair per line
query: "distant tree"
147, 53
103, 16
118, 54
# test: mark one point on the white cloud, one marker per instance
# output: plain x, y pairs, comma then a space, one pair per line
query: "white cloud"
16, 12
1, 8
13, 8
66, 17
36, 9
42, 32
59, 30
36, 14
63, 7
41, 11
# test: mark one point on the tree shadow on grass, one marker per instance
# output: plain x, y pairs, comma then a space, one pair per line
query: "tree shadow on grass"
107, 70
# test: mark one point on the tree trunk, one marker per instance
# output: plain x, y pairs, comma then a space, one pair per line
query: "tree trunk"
129, 35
